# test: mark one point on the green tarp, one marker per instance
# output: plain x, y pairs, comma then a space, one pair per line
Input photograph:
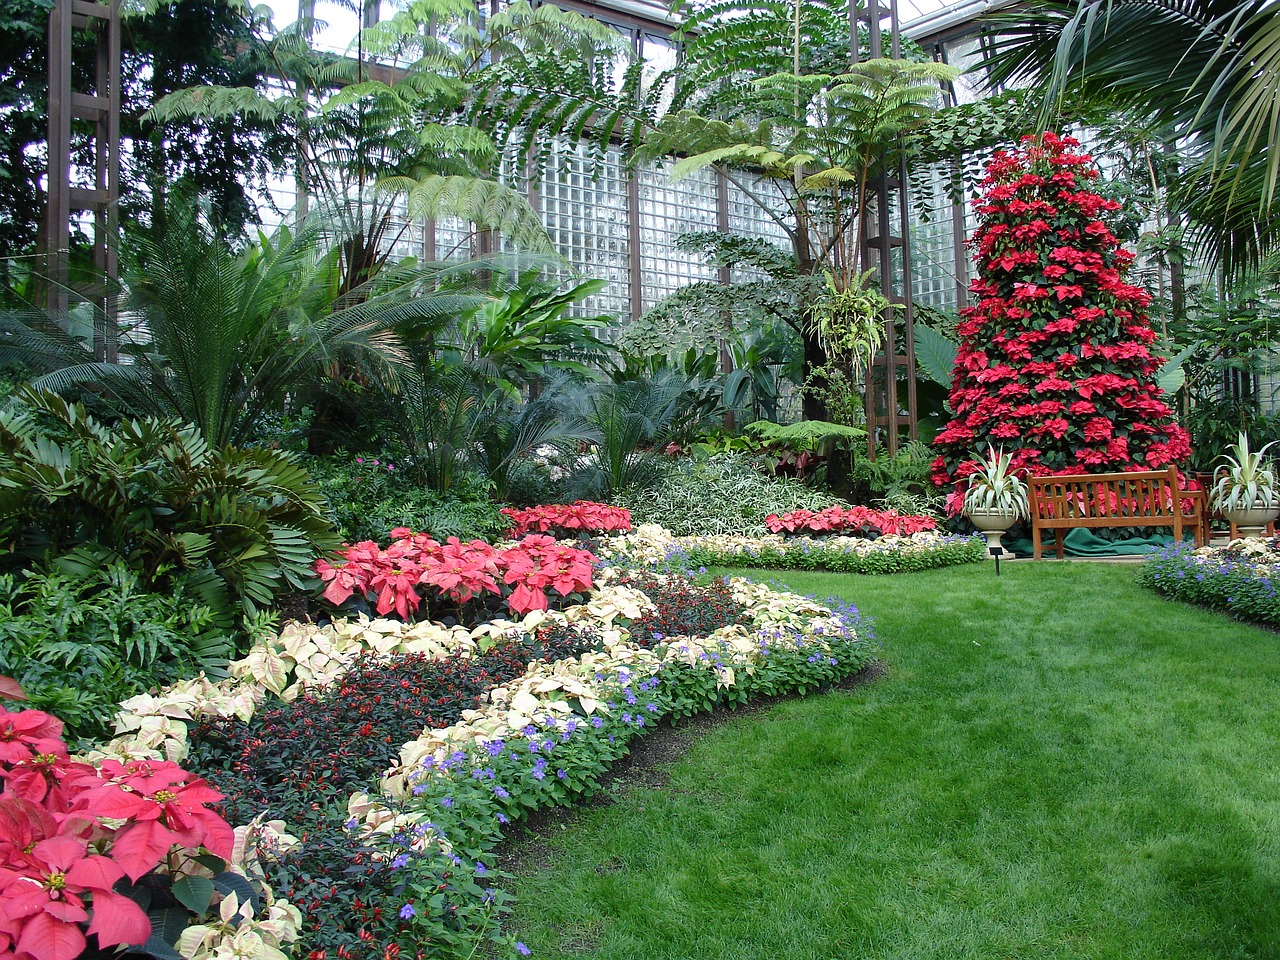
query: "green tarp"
1082, 542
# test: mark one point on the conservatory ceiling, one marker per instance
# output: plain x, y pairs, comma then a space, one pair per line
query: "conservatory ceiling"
919, 18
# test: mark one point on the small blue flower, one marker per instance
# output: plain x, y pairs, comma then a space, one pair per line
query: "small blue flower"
407, 912
399, 861
481, 869
503, 818
446, 802
500, 793
522, 949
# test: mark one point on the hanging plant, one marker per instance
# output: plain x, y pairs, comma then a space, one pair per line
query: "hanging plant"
849, 320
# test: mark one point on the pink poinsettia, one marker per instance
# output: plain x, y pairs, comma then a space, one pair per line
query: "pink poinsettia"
853, 520
44, 905
27, 733
568, 519
415, 569
165, 806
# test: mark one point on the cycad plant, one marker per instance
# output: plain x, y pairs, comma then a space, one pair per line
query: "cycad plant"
223, 338
632, 422
510, 430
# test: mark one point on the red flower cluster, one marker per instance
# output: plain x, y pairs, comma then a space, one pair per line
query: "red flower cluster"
70, 832
854, 520
392, 576
1054, 363
568, 519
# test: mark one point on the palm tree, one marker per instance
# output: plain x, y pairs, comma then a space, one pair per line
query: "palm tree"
1205, 73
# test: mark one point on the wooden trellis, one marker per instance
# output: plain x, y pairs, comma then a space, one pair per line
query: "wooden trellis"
87, 195
891, 404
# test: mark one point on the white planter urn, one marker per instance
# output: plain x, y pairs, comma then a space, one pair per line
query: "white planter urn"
1251, 521
993, 522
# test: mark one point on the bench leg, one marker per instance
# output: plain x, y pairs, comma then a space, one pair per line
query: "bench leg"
1057, 541
1035, 542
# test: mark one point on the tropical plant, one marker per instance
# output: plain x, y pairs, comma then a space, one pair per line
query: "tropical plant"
994, 486
1246, 480
817, 139
81, 645
632, 422
369, 144
1055, 360
224, 339
526, 331
239, 527
371, 494
509, 431
1213, 69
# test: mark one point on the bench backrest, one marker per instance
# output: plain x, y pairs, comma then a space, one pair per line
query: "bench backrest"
1106, 499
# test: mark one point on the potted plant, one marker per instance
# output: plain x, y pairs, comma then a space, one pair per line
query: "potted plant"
1245, 490
996, 499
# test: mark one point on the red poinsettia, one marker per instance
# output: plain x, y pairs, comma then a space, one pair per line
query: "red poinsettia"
1054, 363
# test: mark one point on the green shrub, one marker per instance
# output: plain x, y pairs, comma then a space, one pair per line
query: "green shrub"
368, 496
725, 493
79, 646
243, 526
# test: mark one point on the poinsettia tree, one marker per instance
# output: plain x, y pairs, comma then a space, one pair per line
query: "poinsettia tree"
1055, 363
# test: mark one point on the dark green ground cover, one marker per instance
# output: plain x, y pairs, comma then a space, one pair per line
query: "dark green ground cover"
1057, 763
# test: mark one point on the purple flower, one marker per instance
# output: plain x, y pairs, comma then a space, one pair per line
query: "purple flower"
502, 817
481, 869
446, 802
522, 949
407, 912
561, 774
400, 861
500, 793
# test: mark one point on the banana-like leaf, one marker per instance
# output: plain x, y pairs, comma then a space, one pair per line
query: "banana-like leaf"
935, 354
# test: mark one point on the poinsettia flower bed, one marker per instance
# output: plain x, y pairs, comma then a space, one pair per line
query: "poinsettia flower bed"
568, 520
852, 521
397, 856
652, 546
1241, 578
454, 577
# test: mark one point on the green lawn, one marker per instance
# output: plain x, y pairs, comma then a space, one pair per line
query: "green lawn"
1058, 763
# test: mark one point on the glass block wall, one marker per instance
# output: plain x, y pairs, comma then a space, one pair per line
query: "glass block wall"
583, 200
669, 208
933, 260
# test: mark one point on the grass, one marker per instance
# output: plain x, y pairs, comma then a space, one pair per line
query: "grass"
1058, 763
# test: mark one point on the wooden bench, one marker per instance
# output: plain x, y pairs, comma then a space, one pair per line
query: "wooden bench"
1146, 499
